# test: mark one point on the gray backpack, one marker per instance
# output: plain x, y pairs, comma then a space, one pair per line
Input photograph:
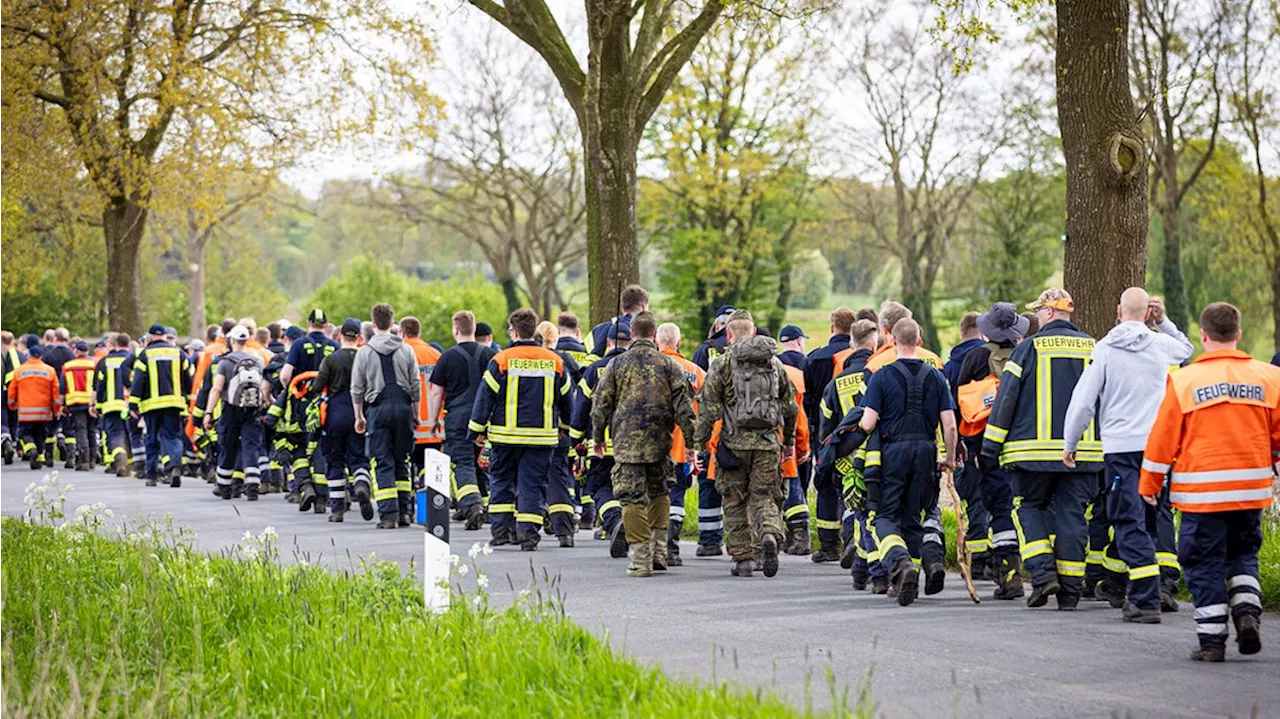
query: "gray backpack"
753, 402
245, 388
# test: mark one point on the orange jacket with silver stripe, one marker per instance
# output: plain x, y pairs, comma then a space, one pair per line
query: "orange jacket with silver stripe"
1216, 435
427, 357
790, 468
696, 376
34, 391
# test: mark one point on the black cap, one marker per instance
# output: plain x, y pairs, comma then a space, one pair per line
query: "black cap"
725, 311
294, 332
483, 329
157, 329
81, 346
791, 332
32, 340
620, 331
35, 351
351, 327
317, 317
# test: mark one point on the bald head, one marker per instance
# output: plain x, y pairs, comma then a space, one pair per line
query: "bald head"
1133, 305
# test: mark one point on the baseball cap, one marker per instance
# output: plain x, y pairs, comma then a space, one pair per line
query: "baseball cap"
35, 351
725, 311
81, 346
741, 314
157, 329
1054, 298
171, 331
317, 317
791, 332
620, 331
294, 332
483, 329
240, 333
195, 345
1002, 323
351, 327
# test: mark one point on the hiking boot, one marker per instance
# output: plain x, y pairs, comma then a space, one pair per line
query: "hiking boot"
34, 459
388, 523
1210, 654
473, 517
69, 464
1068, 602
826, 553
1040, 593
641, 560
306, 498
120, 466
1249, 634
879, 585
673, 543
587, 521
83, 466
293, 497
618, 542
860, 581
709, 550
1134, 615
1168, 599
336, 517
502, 538
799, 543
366, 506
222, 491
530, 544
151, 481
906, 583
175, 479
600, 534
459, 514
741, 568
1010, 588
251, 492
406, 519
935, 578
566, 540
319, 507
769, 548
849, 555
1111, 593
659, 546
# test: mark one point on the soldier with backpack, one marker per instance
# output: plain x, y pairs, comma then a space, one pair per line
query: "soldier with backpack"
977, 382
748, 388
241, 387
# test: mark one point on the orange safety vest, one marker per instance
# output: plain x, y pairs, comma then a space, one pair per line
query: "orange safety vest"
696, 377
976, 400
34, 391
790, 469
427, 357
78, 375
1216, 435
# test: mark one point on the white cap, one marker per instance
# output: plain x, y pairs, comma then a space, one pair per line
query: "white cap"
239, 333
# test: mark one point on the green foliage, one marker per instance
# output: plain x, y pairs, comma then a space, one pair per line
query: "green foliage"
151, 627
366, 280
811, 281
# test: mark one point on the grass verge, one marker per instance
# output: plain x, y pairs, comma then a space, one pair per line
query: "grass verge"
152, 627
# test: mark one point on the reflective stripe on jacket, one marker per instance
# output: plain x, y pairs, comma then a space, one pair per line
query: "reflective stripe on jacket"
426, 357
524, 398
77, 382
34, 391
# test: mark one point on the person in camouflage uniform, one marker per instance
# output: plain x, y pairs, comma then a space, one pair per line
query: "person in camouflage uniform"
748, 461
642, 397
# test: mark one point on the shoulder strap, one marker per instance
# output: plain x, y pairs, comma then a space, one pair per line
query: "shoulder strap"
473, 369
915, 387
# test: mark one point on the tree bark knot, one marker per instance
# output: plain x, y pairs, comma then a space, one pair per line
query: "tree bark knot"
1127, 155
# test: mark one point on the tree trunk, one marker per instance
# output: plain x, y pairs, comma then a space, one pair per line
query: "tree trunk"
917, 296
124, 223
1175, 289
195, 286
510, 292
1105, 154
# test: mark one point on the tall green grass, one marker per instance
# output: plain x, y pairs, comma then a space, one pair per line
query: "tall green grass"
151, 627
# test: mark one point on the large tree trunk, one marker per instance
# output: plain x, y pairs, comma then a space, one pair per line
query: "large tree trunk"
195, 286
1106, 220
124, 223
917, 296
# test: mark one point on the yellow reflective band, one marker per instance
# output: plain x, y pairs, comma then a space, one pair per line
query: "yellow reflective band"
828, 524
1013, 368
1114, 565
995, 433
588, 499
585, 388
502, 508
467, 490
1168, 559
1094, 557
529, 518
1145, 572
489, 380
890, 542
1068, 568
873, 459
476, 427
381, 493
1037, 548
826, 411
611, 504
403, 485
978, 546
798, 509
560, 509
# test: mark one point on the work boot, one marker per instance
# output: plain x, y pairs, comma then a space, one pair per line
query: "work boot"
529, 544
83, 466
1009, 580
1210, 652
175, 477
935, 578
1249, 634
387, 523
222, 491
336, 517
459, 514
641, 560
879, 585
741, 568
673, 543
319, 507
709, 550
406, 519
120, 466
618, 542
1067, 602
306, 498
828, 551
547, 529
1134, 615
1168, 598
1111, 593
473, 516
799, 542
151, 481
251, 492
366, 506
502, 538
588, 519
978, 567
1040, 593
293, 497
660, 563
566, 540
849, 554
906, 583
69, 464
859, 581
7, 450
769, 550
34, 459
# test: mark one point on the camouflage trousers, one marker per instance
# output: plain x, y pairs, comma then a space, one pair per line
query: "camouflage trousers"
752, 494
642, 488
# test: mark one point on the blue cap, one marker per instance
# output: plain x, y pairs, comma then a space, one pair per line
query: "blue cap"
620, 331
32, 340
437, 346
294, 332
791, 332
81, 346
35, 351
156, 329
351, 327
171, 331
725, 311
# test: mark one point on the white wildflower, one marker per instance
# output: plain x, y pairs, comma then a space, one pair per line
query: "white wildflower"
475, 550
477, 599
454, 560
463, 570
270, 533
482, 580
488, 549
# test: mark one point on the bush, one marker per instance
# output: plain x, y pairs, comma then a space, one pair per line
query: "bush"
148, 626
811, 280
366, 280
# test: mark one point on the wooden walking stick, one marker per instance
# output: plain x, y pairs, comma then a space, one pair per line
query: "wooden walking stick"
963, 557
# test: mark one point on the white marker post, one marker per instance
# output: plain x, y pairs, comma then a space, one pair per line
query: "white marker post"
435, 553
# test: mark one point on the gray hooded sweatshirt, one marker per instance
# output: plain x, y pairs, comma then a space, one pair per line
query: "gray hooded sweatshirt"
1125, 381
366, 373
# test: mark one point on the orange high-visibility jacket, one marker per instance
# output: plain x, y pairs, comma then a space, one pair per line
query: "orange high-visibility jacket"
696, 377
790, 469
1218, 430
77, 381
427, 357
34, 392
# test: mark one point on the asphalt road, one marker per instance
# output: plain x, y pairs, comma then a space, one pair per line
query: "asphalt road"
798, 635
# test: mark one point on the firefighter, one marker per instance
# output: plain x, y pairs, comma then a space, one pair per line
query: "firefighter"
77, 390
158, 396
795, 504
344, 448
288, 419
569, 342
634, 300
11, 359
561, 485
425, 436
33, 392
1025, 433
1215, 439
237, 399
111, 404
521, 409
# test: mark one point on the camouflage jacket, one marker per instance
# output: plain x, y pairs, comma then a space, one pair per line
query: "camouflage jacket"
717, 391
641, 397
